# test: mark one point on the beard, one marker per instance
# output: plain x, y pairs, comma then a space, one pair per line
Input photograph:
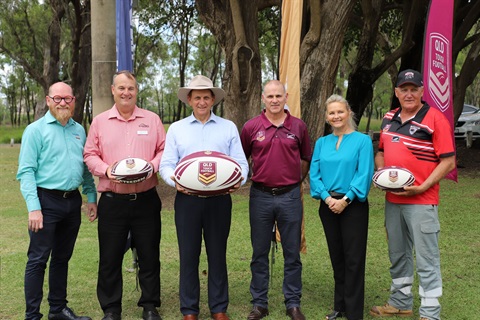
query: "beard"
62, 114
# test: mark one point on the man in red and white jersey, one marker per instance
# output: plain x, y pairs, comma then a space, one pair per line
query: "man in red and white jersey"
419, 138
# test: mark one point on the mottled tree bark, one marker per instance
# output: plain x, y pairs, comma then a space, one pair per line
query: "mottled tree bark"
235, 26
320, 53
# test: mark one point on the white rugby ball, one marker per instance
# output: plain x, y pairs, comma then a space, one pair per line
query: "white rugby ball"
392, 178
131, 170
207, 173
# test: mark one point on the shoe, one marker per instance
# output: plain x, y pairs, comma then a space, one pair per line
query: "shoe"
295, 313
220, 316
111, 316
190, 317
151, 315
334, 315
66, 314
257, 313
389, 311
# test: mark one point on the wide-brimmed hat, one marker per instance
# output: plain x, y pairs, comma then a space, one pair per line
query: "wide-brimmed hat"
200, 82
411, 77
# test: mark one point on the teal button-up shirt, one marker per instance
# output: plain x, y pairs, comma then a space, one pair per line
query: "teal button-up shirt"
51, 157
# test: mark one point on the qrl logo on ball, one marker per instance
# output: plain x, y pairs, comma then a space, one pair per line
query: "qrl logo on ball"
393, 176
130, 163
438, 70
207, 172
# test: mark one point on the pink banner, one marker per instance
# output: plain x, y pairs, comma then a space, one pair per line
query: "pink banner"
437, 61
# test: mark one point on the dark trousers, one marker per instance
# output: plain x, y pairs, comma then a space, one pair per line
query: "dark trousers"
287, 211
346, 235
211, 217
61, 222
116, 218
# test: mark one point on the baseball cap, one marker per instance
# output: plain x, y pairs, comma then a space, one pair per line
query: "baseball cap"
411, 77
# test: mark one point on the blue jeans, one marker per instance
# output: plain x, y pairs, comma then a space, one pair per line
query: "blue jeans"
414, 228
287, 211
61, 222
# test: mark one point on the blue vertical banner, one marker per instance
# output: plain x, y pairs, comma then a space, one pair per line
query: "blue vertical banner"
124, 38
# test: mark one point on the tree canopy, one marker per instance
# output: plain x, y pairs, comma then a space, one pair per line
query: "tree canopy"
352, 47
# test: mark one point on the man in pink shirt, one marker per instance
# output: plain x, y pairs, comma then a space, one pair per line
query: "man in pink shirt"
126, 131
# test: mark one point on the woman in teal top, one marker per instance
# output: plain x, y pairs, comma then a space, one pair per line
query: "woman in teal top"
340, 176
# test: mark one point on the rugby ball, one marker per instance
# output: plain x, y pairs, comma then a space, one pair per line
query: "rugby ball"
393, 178
207, 173
131, 170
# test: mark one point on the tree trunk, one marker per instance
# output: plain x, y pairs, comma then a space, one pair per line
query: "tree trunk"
228, 20
51, 56
319, 56
363, 76
81, 59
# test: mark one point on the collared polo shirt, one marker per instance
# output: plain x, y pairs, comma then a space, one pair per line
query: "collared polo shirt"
276, 152
112, 138
417, 145
51, 157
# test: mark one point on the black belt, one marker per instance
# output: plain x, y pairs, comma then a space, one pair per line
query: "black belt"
129, 196
274, 191
60, 193
336, 195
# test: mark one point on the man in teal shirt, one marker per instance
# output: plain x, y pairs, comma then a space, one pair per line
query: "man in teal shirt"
50, 170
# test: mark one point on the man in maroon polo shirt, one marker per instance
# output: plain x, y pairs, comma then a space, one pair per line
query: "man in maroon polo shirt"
279, 147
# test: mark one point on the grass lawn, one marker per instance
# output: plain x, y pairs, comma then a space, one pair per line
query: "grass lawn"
8, 132
459, 241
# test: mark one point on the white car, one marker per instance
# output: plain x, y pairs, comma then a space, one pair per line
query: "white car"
469, 120
468, 108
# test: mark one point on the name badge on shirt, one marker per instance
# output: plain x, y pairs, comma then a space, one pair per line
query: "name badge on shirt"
142, 132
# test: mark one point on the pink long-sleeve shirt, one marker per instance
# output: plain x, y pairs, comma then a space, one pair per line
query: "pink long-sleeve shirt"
112, 138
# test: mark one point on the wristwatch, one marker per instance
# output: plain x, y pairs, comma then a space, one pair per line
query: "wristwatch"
347, 200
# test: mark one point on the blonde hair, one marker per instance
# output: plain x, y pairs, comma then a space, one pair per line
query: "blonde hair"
337, 98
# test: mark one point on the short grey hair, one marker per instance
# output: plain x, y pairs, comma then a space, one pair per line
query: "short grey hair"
337, 98
128, 74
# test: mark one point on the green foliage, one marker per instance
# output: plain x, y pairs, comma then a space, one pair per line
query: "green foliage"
172, 44
269, 23
374, 125
20, 93
391, 22
162, 68
24, 24
390, 25
206, 57
8, 132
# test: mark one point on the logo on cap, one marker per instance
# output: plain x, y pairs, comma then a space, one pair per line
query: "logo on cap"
409, 75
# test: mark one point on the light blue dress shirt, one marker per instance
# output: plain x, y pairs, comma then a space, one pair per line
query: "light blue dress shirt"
190, 135
51, 157
348, 170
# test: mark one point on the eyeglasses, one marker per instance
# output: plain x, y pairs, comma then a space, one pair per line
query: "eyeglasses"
58, 99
